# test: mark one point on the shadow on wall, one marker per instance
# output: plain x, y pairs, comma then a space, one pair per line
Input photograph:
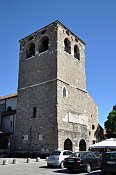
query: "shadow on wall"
99, 133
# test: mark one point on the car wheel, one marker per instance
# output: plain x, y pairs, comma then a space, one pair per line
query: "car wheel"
62, 165
70, 170
88, 168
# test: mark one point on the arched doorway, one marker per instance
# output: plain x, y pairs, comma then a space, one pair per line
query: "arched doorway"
82, 145
68, 144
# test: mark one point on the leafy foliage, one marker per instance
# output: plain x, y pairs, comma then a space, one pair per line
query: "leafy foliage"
110, 123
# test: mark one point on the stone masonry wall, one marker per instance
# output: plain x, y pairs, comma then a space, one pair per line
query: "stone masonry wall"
37, 89
71, 74
41, 81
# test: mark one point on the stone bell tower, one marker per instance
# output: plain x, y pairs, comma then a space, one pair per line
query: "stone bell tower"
54, 109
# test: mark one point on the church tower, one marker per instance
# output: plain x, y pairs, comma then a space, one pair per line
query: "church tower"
54, 109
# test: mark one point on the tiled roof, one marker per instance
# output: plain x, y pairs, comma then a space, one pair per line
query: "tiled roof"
8, 96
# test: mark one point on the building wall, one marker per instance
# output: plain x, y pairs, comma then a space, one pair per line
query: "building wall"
92, 112
6, 102
72, 120
41, 67
5, 121
43, 125
8, 123
78, 105
37, 88
11, 102
70, 69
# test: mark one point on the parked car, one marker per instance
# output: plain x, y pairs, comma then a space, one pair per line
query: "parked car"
57, 157
83, 160
108, 164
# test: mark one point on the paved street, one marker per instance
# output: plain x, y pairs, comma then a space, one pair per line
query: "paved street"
33, 168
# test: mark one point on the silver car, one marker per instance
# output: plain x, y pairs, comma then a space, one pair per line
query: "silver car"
57, 157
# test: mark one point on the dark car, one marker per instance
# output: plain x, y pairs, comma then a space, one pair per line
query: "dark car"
108, 164
83, 160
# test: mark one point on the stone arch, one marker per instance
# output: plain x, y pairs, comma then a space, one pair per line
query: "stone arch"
76, 52
82, 145
68, 144
67, 45
31, 50
44, 44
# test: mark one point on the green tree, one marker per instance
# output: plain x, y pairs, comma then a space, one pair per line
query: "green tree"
110, 124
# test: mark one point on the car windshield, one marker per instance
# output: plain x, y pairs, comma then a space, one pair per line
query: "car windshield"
97, 154
110, 156
56, 153
78, 154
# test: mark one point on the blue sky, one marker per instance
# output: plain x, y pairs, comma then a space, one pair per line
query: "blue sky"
94, 21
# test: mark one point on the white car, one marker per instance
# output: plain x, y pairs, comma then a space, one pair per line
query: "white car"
57, 157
